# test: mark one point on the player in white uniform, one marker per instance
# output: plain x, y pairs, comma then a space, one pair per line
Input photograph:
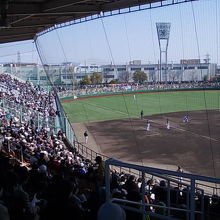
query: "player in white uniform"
168, 124
148, 125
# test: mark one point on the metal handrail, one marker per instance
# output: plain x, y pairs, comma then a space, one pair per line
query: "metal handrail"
91, 154
143, 169
21, 112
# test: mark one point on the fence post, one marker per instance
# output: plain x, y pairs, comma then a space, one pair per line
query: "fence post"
192, 199
107, 182
168, 198
143, 193
202, 205
188, 202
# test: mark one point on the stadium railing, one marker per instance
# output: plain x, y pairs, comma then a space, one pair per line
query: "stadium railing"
172, 178
90, 154
24, 114
64, 122
87, 152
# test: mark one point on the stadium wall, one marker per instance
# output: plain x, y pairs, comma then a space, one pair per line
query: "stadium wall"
71, 98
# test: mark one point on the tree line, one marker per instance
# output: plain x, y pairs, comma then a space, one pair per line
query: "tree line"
97, 78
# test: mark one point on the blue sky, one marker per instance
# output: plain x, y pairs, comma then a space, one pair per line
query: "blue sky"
132, 36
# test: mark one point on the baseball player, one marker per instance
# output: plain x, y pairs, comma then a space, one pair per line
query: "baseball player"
186, 119
168, 124
148, 125
142, 114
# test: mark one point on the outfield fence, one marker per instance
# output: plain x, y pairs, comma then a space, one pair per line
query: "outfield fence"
88, 92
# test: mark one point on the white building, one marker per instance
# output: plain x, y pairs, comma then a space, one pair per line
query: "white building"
70, 74
175, 72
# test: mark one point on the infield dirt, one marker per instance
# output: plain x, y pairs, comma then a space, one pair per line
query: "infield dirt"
195, 145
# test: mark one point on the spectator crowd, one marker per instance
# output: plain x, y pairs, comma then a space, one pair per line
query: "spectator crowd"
122, 87
23, 93
44, 178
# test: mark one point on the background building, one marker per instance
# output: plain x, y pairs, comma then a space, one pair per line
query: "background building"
176, 72
69, 74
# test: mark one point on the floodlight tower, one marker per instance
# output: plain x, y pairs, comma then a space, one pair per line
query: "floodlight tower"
163, 33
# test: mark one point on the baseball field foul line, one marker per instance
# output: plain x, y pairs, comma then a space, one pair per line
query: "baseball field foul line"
180, 129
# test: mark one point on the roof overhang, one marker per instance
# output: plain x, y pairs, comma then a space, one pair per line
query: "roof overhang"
23, 19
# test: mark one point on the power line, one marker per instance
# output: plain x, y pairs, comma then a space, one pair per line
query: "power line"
126, 31
12, 45
41, 54
89, 41
132, 126
217, 31
64, 54
7, 55
204, 96
133, 130
181, 25
183, 56
107, 40
152, 37
195, 28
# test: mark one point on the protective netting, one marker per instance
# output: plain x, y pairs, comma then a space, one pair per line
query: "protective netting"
194, 35
136, 34
14, 55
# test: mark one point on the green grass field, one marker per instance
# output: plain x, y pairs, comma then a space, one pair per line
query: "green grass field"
125, 106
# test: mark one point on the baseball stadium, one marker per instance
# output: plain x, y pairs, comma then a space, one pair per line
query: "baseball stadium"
110, 110
113, 120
